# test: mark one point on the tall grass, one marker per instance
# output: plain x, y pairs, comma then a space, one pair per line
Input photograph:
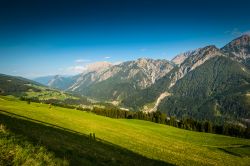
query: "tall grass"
16, 150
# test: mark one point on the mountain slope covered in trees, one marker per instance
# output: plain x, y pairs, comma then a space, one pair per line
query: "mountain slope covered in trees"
218, 88
210, 83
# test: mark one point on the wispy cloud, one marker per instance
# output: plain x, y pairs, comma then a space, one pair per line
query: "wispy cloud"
82, 60
143, 49
75, 69
107, 57
78, 68
237, 32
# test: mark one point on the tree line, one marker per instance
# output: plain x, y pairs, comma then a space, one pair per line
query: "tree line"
230, 129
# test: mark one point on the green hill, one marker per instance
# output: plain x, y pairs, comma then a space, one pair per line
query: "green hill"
66, 135
31, 90
16, 85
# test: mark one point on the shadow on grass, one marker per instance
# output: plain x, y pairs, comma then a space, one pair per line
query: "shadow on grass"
229, 152
240, 150
76, 147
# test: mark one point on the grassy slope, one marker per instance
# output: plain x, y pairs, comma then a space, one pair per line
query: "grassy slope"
46, 94
16, 150
21, 87
155, 141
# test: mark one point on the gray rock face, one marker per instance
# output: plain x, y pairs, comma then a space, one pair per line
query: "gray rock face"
139, 74
95, 73
238, 48
149, 69
183, 56
193, 60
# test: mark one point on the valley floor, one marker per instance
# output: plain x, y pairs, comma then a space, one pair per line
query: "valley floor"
66, 134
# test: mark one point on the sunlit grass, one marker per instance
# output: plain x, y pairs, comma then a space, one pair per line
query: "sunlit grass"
46, 94
152, 140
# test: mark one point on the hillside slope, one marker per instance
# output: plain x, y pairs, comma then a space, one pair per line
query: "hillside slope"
64, 132
219, 94
208, 83
121, 81
163, 85
16, 85
239, 49
31, 90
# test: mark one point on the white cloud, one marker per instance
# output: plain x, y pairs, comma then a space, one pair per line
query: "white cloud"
75, 69
143, 49
107, 57
82, 60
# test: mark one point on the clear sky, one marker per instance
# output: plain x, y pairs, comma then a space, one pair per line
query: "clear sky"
46, 37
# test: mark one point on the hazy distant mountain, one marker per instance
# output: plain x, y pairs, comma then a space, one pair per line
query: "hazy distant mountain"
56, 81
71, 82
61, 82
44, 80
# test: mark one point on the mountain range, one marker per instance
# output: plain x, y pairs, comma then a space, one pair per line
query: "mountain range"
206, 83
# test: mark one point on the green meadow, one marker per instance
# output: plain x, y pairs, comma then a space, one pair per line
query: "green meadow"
61, 136
46, 94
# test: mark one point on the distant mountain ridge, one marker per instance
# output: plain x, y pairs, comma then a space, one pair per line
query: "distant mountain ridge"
189, 84
178, 59
119, 81
124, 78
209, 83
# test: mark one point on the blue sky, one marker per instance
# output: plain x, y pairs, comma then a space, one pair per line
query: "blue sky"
43, 37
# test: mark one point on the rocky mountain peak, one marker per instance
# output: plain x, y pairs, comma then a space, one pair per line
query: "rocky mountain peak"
243, 41
178, 59
193, 60
208, 50
143, 60
239, 42
138, 74
98, 66
239, 48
